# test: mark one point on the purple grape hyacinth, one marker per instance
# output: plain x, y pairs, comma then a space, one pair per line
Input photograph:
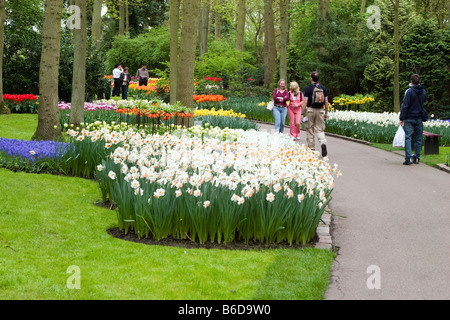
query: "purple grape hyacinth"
32, 150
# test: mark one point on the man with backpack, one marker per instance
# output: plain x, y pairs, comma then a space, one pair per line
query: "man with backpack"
411, 119
316, 98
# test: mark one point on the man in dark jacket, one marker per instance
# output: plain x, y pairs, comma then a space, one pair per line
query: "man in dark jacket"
411, 118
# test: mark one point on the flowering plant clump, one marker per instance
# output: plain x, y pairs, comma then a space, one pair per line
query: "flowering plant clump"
224, 119
378, 127
356, 102
153, 109
218, 113
211, 185
32, 150
32, 156
213, 79
21, 103
97, 105
199, 98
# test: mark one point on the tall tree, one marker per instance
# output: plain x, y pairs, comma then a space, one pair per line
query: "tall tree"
323, 7
240, 27
121, 18
188, 44
79, 68
270, 52
96, 27
48, 116
284, 18
203, 27
396, 4
3, 107
174, 16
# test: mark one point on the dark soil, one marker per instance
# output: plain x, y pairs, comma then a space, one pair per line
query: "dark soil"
188, 244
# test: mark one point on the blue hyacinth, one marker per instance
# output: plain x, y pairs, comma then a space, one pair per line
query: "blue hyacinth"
33, 150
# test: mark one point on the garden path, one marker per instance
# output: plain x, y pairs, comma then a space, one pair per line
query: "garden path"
390, 226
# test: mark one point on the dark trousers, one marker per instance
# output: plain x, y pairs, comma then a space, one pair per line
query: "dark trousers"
117, 86
124, 92
143, 82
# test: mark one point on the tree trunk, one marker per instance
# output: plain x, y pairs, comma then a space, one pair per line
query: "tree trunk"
96, 28
79, 69
240, 27
270, 52
188, 44
396, 58
361, 23
3, 108
121, 19
174, 16
127, 18
323, 7
283, 38
203, 27
48, 115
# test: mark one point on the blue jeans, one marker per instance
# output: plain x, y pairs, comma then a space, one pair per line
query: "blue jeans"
413, 126
279, 114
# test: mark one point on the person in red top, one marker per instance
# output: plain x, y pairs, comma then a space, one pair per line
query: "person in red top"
279, 111
295, 110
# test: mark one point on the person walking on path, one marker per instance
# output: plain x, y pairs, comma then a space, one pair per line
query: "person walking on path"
316, 98
117, 83
279, 111
142, 75
411, 119
125, 79
295, 110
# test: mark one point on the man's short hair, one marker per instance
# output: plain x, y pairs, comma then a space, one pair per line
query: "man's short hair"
415, 78
116, 65
315, 76
144, 64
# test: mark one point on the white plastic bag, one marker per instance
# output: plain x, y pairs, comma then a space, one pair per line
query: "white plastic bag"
399, 139
270, 105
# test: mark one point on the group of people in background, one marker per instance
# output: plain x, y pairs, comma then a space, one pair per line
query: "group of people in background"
309, 107
122, 79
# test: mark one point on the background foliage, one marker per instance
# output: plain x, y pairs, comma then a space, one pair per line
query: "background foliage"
351, 58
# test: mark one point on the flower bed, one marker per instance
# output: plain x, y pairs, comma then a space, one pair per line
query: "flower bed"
378, 127
215, 185
21, 103
31, 156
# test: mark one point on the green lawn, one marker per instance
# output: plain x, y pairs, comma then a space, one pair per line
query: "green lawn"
18, 126
49, 223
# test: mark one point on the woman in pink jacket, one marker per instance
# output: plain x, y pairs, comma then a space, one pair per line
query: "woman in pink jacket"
295, 110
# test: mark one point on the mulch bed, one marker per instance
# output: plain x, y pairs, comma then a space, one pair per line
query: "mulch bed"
188, 244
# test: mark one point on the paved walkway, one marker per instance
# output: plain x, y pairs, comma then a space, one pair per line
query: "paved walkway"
390, 226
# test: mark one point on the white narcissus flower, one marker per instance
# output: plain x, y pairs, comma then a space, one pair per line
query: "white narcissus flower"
159, 193
100, 167
270, 197
135, 184
197, 193
206, 204
112, 175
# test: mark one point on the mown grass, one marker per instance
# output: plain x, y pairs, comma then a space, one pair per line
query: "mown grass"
49, 223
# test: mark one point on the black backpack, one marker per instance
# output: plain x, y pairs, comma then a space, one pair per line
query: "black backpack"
318, 97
